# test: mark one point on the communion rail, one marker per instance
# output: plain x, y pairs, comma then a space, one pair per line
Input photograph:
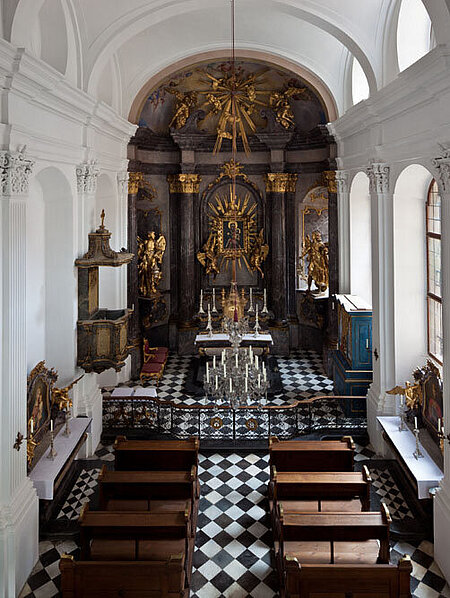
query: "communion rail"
217, 422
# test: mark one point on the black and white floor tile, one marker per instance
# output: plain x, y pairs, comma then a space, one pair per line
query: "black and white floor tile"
83, 488
389, 493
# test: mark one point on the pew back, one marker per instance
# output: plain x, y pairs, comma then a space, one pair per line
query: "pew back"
311, 455
155, 455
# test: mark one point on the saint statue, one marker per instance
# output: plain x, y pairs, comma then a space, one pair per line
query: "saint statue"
316, 252
209, 257
150, 256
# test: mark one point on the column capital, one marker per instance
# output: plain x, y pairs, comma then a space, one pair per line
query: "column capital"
329, 177
378, 173
135, 181
15, 170
184, 183
442, 167
342, 181
122, 181
87, 174
280, 182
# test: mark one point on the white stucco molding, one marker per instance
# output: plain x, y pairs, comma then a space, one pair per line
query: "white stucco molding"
441, 166
378, 173
342, 181
15, 171
87, 174
122, 182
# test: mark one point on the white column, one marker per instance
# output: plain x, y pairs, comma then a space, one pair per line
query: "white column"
18, 500
383, 340
343, 200
87, 398
442, 500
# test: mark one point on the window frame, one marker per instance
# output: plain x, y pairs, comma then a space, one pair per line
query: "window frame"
432, 297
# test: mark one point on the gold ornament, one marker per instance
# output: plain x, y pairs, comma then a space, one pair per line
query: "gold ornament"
280, 182
184, 183
61, 395
185, 103
150, 256
209, 256
330, 180
259, 253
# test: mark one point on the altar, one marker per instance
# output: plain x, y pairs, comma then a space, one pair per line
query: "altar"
213, 344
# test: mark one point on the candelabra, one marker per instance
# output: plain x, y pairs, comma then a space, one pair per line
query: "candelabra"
209, 327
251, 309
201, 311
417, 454
265, 311
52, 453
214, 308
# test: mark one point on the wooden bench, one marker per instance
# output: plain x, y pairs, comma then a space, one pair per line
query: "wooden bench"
154, 491
130, 579
328, 538
346, 581
311, 455
155, 455
321, 491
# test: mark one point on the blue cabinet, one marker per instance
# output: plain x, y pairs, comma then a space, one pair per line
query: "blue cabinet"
352, 362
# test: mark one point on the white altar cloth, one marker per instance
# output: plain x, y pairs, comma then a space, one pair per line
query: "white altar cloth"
222, 337
424, 470
45, 472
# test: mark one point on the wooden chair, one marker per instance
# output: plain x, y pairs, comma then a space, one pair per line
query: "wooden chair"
155, 455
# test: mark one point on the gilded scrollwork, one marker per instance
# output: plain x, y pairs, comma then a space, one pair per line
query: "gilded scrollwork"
209, 255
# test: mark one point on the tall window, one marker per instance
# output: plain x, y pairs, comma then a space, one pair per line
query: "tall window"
434, 288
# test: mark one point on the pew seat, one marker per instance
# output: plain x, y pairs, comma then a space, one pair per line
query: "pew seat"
365, 552
140, 550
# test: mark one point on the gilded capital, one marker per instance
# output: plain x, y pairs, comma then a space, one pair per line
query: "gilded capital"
135, 181
280, 182
329, 177
184, 183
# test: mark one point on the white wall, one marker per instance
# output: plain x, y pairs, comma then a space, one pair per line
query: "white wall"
35, 276
410, 195
360, 238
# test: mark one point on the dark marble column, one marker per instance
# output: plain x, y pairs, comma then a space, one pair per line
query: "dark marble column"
183, 190
333, 265
134, 334
278, 185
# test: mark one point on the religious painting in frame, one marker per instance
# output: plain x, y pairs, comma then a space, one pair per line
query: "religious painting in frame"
432, 403
39, 399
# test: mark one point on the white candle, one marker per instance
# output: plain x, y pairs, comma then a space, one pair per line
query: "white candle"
264, 376
439, 425
224, 370
236, 360
246, 370
251, 295
265, 295
209, 309
415, 423
246, 384
259, 380
217, 383
214, 296
51, 425
32, 426
257, 307
223, 356
256, 361
207, 372
231, 385
214, 361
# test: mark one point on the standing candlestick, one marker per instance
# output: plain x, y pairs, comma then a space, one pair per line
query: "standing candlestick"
201, 311
264, 309
52, 453
209, 327
257, 327
417, 454
251, 309
214, 308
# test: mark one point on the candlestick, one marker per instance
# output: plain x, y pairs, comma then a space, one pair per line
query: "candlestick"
236, 360
209, 325
251, 309
264, 375
32, 426
415, 423
231, 385
246, 370
259, 380
224, 370
264, 309
214, 308
66, 421
256, 361
417, 454
207, 372
201, 310
52, 453
51, 425
214, 361
217, 382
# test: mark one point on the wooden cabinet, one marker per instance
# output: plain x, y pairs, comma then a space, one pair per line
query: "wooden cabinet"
352, 362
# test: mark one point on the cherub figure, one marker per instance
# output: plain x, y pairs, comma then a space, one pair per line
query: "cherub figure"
61, 395
259, 253
209, 257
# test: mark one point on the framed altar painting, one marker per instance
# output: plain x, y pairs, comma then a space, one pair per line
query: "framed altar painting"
39, 399
432, 402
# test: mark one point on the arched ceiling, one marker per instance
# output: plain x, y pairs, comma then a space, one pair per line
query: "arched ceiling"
127, 43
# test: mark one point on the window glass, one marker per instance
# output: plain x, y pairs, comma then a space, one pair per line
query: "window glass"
434, 281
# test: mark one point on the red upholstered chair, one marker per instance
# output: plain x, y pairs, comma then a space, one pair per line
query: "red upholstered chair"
154, 361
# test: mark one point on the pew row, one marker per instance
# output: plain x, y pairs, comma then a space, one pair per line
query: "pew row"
321, 491
311, 455
155, 455
154, 491
133, 579
345, 581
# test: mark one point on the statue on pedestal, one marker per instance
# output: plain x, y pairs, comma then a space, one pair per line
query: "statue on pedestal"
317, 253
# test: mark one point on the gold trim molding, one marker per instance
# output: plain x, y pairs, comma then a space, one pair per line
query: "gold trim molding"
135, 180
280, 182
329, 177
184, 183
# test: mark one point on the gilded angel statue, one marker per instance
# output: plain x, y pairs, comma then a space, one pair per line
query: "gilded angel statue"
61, 395
208, 256
316, 252
411, 392
259, 253
279, 101
150, 256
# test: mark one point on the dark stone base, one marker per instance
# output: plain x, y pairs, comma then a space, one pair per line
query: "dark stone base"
280, 338
310, 337
186, 338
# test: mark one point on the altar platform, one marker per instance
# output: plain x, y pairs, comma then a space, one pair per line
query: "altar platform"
214, 343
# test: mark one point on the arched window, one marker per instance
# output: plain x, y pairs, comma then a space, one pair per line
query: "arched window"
434, 284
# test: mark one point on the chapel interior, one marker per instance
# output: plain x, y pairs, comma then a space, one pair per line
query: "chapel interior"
224, 307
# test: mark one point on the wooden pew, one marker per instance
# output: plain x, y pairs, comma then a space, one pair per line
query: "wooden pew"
155, 455
311, 455
133, 579
154, 491
344, 581
328, 538
321, 491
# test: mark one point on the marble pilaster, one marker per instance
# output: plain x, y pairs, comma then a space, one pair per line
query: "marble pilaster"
343, 218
